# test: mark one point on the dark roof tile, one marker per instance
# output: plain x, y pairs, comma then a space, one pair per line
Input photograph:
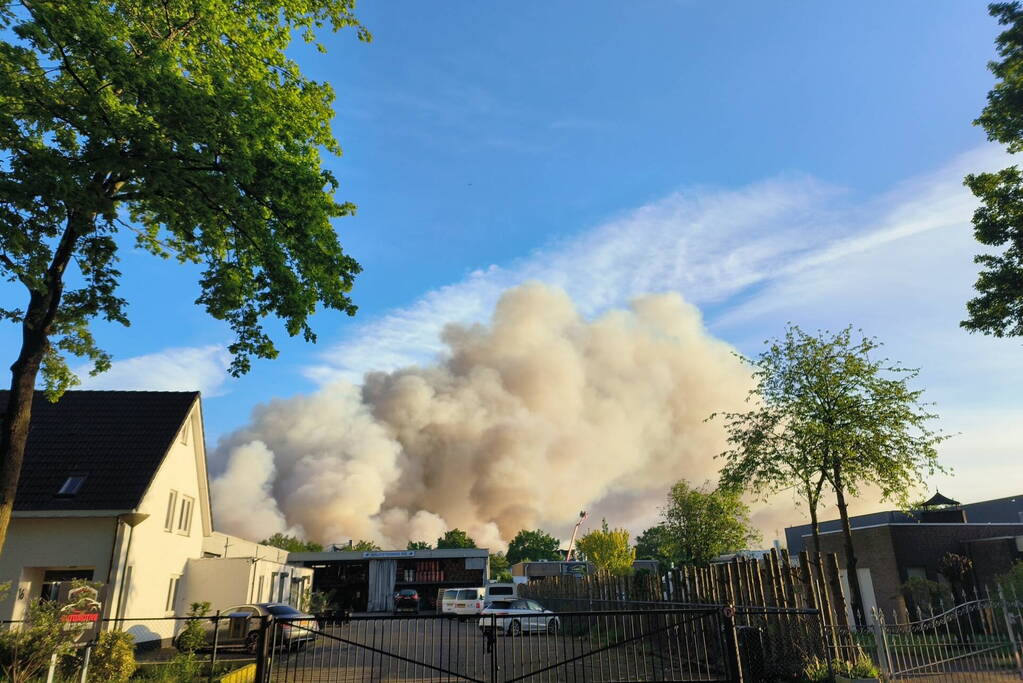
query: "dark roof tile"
117, 439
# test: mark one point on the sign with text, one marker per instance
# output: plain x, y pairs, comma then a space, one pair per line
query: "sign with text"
80, 609
384, 554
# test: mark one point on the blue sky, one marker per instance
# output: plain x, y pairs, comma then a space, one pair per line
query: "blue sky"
771, 161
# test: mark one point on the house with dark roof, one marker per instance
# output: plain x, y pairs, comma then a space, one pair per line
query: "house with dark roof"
114, 489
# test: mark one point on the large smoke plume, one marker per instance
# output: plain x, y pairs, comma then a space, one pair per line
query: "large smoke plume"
522, 423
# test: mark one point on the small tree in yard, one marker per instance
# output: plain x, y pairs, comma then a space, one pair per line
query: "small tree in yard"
702, 523
185, 127
608, 549
193, 635
499, 568
828, 414
113, 658
455, 538
956, 570
25, 652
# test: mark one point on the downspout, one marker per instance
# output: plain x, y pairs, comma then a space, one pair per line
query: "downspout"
132, 519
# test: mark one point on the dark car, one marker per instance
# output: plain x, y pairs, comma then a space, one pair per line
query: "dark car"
239, 627
406, 600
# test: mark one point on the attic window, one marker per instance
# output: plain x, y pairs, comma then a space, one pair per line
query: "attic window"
72, 485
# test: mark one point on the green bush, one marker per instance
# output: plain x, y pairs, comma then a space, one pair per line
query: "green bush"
113, 657
193, 635
924, 594
25, 651
816, 670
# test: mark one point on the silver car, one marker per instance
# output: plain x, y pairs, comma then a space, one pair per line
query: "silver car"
515, 617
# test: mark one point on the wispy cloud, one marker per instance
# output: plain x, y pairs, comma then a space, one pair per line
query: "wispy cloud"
174, 369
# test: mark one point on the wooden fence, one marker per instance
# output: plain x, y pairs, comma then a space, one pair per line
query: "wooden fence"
773, 582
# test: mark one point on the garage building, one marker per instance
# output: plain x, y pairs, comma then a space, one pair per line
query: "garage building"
367, 581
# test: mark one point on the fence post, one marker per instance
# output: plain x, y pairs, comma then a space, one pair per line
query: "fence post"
884, 661
216, 641
731, 643
262, 670
85, 663
1009, 627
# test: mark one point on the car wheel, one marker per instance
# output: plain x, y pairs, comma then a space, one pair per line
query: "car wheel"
552, 626
514, 629
252, 642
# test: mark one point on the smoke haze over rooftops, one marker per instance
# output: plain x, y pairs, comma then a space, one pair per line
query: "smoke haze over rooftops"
522, 423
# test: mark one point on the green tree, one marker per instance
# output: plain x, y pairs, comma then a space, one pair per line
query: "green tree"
998, 221
656, 544
417, 545
365, 546
455, 538
499, 568
703, 522
185, 126
853, 416
533, 545
292, 544
608, 549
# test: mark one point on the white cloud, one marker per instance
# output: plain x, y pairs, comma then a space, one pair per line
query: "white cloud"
202, 368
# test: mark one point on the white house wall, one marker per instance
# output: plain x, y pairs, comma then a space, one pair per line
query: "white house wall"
222, 582
156, 555
36, 544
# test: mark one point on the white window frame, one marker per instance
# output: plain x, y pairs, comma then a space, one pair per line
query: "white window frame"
184, 432
172, 592
172, 509
184, 521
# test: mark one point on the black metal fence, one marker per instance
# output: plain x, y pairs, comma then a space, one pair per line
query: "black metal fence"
685, 644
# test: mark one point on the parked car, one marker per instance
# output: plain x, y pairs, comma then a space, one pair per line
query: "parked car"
463, 602
406, 600
241, 627
515, 617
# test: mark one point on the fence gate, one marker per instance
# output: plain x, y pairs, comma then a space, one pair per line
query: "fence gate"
977, 640
691, 644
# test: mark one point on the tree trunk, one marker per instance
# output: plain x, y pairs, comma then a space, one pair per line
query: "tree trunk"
815, 528
855, 596
35, 331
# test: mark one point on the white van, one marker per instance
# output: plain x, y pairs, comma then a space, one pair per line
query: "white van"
462, 602
501, 591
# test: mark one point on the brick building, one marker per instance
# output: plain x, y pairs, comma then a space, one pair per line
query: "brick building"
367, 581
889, 554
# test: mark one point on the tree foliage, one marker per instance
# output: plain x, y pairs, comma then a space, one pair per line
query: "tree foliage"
365, 546
184, 126
499, 568
292, 544
533, 546
113, 658
655, 544
25, 651
608, 549
417, 545
998, 221
828, 413
701, 523
455, 538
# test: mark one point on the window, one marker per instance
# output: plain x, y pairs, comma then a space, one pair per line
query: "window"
916, 573
72, 485
259, 591
172, 503
172, 593
185, 515
501, 590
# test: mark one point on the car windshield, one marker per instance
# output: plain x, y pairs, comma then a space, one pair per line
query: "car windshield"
407, 593
499, 604
283, 611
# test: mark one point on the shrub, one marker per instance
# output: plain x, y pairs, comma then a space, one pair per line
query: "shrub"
193, 635
863, 667
25, 652
1011, 582
113, 657
923, 593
